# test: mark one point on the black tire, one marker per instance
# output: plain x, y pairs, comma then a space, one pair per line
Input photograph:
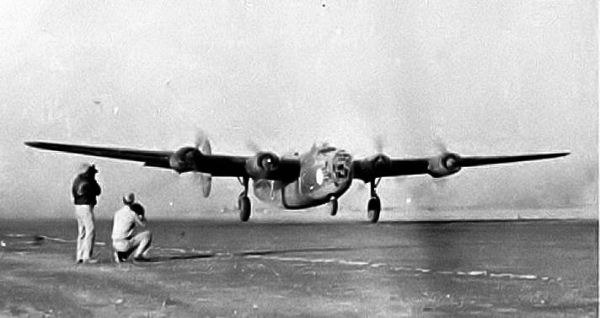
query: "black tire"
245, 207
373, 209
334, 206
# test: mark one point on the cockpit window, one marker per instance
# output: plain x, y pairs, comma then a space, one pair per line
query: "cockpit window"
340, 170
326, 149
341, 173
340, 165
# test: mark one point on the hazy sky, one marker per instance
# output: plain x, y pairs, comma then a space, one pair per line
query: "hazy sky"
487, 77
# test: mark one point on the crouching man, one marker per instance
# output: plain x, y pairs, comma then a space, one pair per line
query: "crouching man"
123, 239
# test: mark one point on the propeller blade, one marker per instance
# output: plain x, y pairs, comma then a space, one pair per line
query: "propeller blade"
202, 143
252, 146
441, 183
362, 186
201, 138
440, 145
379, 143
204, 180
400, 180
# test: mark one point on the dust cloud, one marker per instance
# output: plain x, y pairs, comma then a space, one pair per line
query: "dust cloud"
501, 77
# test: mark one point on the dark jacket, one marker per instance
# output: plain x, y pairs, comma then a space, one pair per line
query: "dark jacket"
85, 189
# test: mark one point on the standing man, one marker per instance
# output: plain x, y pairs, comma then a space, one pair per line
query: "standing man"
85, 190
124, 240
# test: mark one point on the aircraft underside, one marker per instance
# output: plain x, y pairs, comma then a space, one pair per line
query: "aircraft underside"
291, 197
325, 175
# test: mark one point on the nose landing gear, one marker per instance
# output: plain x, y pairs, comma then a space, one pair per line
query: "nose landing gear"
244, 202
333, 203
374, 205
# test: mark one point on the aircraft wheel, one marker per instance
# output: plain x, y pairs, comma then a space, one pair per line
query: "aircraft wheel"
245, 206
334, 206
373, 209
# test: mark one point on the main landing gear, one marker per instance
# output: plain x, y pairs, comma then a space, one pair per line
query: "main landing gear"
244, 202
374, 205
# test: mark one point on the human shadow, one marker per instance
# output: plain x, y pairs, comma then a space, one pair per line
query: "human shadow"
165, 258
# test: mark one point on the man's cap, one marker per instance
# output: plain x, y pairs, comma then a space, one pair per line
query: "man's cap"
87, 167
129, 198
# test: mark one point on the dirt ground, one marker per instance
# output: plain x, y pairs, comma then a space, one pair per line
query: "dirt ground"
42, 285
533, 269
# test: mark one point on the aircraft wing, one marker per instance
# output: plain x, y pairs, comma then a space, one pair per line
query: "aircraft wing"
437, 166
261, 166
492, 160
150, 158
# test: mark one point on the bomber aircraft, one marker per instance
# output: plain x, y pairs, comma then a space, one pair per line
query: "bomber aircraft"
297, 181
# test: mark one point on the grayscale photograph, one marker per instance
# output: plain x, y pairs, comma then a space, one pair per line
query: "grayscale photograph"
323, 158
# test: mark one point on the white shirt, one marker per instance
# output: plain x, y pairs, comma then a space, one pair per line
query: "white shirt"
124, 222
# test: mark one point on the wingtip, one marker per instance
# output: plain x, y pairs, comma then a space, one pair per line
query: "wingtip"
35, 144
556, 154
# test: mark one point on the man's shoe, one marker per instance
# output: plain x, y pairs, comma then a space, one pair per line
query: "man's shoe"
90, 261
79, 261
119, 257
141, 258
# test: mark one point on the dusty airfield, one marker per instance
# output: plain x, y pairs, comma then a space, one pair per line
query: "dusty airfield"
39, 285
346, 269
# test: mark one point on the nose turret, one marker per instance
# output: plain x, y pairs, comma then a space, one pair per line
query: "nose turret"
341, 163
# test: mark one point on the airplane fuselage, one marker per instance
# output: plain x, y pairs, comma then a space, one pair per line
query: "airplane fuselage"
325, 173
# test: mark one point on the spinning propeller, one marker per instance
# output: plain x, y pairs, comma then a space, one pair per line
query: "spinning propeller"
202, 143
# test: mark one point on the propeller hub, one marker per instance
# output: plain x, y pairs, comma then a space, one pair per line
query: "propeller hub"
452, 162
380, 162
184, 159
444, 165
262, 165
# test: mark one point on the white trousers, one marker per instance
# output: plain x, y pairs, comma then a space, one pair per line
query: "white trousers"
86, 231
140, 242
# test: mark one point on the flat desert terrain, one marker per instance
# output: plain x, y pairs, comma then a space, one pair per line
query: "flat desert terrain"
342, 268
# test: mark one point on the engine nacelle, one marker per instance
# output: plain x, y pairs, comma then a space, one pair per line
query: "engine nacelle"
372, 167
444, 165
262, 165
380, 162
184, 159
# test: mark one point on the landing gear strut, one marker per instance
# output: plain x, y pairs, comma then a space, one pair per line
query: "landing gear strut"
244, 202
374, 205
333, 203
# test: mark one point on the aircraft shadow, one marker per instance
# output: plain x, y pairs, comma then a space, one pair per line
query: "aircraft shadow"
191, 256
305, 250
